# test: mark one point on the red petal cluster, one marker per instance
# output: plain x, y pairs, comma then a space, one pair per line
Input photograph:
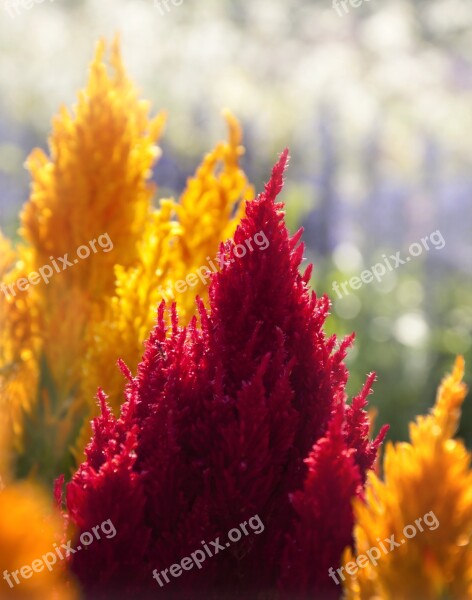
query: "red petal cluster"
241, 413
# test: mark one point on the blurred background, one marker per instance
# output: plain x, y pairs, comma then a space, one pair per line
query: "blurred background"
374, 102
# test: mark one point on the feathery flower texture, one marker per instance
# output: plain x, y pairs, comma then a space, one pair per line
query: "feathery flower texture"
231, 404
240, 412
57, 340
432, 473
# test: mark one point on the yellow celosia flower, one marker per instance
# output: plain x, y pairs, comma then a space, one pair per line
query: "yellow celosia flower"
94, 187
62, 338
95, 183
430, 474
28, 530
97, 179
210, 199
18, 342
168, 252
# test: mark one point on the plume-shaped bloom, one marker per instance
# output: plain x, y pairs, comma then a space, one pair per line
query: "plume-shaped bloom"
429, 476
178, 239
240, 413
18, 344
94, 192
94, 183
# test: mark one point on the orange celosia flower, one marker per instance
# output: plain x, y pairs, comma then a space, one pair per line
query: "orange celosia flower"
95, 186
28, 529
60, 337
432, 473
168, 252
18, 369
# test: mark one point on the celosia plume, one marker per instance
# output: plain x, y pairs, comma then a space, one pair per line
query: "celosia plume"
168, 251
432, 473
18, 345
57, 339
94, 183
241, 412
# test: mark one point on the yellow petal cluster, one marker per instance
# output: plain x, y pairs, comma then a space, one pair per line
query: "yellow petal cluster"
59, 341
18, 344
95, 182
178, 239
96, 179
432, 473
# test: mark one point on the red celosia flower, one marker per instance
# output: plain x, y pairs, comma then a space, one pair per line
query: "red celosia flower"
241, 413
